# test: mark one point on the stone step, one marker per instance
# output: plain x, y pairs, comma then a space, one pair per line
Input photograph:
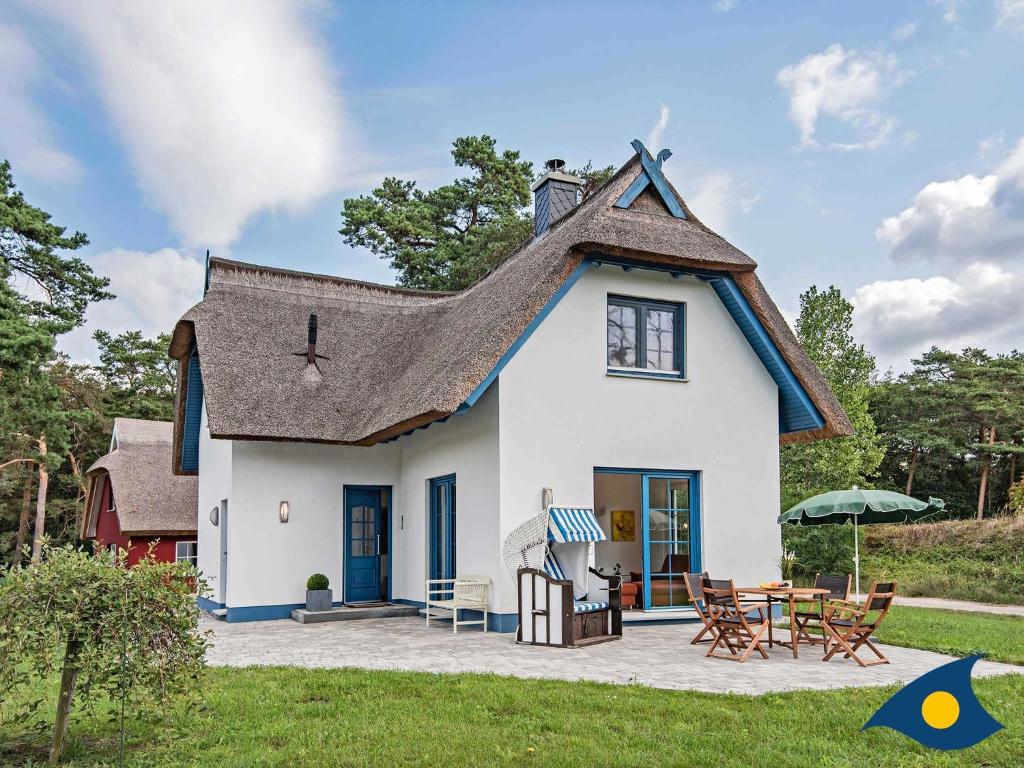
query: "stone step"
349, 613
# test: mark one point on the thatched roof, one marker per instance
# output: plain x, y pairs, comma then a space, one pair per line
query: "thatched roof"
397, 358
149, 498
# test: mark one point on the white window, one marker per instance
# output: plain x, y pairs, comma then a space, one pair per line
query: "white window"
188, 551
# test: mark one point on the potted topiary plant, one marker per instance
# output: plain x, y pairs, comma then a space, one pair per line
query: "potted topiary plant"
318, 596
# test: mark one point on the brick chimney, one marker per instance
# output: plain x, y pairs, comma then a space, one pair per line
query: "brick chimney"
554, 195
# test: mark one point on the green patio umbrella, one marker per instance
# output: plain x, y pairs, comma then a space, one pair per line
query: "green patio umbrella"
859, 507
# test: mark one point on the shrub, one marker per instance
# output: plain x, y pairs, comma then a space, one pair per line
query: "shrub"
128, 634
317, 581
819, 549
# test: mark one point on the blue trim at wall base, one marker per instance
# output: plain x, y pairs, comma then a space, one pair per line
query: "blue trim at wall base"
262, 612
206, 604
496, 622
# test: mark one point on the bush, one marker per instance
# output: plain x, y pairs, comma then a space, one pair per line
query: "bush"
959, 559
317, 581
819, 549
128, 634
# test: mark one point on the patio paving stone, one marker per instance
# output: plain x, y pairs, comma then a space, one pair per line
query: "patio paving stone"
658, 656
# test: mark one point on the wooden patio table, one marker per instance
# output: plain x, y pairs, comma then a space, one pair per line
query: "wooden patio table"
792, 595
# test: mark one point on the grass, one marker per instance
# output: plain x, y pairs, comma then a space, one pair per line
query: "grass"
960, 559
998, 638
295, 717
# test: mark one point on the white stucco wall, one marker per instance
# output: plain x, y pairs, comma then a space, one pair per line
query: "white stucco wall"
561, 415
467, 446
214, 486
269, 561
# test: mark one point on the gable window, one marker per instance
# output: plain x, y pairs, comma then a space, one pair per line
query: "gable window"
645, 337
188, 551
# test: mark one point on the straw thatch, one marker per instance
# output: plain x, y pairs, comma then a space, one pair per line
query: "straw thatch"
150, 499
397, 358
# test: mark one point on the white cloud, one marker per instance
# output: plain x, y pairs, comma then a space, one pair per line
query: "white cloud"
950, 10
717, 196
723, 6
966, 219
1010, 13
847, 87
226, 109
26, 139
658, 130
153, 290
900, 319
904, 32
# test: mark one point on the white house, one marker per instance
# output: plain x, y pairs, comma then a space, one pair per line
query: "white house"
383, 436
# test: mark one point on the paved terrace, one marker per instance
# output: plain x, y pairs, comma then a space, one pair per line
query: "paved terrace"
658, 656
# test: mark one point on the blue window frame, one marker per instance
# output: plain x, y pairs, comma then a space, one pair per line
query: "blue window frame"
646, 337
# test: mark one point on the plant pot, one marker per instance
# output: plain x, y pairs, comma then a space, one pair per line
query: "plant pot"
319, 600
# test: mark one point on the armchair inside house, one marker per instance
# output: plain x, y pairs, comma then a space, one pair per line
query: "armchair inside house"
668, 585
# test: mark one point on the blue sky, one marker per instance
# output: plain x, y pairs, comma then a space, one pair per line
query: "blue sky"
875, 146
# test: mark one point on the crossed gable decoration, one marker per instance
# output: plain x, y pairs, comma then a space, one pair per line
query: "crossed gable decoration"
651, 174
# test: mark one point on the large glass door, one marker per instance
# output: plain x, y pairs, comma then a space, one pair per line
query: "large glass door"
671, 533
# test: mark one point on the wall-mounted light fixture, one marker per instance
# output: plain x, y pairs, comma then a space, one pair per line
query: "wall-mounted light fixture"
547, 498
282, 511
215, 515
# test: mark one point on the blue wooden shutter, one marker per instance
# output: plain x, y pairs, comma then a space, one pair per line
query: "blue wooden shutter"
193, 414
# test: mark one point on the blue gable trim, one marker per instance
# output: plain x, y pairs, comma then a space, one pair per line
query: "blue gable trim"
796, 411
651, 174
193, 414
570, 281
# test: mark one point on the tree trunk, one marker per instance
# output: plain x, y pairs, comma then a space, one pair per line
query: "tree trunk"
26, 508
913, 467
76, 472
983, 485
64, 700
44, 482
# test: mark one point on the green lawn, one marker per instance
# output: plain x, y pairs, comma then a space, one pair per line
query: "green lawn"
293, 717
998, 638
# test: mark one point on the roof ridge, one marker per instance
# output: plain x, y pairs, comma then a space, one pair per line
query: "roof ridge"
244, 267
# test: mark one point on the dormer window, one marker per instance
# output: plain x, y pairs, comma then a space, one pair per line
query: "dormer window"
645, 337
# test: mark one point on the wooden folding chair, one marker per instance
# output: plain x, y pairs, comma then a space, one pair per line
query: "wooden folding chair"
849, 627
695, 591
838, 589
732, 622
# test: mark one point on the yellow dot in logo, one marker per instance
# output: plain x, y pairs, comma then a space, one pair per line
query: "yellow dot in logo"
940, 709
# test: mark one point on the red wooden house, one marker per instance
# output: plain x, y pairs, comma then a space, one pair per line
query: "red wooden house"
135, 500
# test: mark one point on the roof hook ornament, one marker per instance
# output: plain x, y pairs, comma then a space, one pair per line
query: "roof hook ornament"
652, 174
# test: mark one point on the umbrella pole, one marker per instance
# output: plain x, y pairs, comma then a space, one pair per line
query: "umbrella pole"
856, 556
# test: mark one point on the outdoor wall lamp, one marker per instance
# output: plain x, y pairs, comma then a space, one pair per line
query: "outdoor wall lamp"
215, 515
547, 497
282, 511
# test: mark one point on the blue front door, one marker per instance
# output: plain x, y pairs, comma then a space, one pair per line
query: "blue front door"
671, 536
363, 545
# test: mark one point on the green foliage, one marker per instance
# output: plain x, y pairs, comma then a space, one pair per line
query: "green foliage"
127, 633
825, 329
959, 559
138, 375
1017, 498
29, 245
448, 238
277, 716
317, 581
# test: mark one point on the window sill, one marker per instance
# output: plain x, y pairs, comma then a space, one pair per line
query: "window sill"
642, 374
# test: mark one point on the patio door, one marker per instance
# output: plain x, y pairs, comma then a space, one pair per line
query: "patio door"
442, 528
671, 536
